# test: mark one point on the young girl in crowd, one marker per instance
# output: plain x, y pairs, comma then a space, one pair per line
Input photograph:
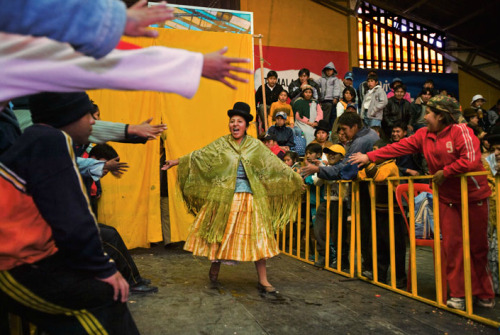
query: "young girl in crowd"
281, 106
348, 96
307, 113
292, 160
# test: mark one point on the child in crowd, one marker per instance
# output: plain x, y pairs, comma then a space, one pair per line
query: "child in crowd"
281, 106
283, 134
329, 91
351, 108
292, 160
321, 135
335, 154
270, 141
313, 156
374, 101
296, 86
398, 82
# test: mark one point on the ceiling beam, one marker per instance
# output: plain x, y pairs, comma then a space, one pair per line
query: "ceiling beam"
414, 6
466, 18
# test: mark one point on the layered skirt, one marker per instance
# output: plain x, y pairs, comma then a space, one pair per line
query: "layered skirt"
245, 237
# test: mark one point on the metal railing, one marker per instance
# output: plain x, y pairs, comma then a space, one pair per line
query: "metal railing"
296, 240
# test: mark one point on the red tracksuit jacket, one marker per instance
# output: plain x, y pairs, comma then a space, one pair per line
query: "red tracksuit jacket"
455, 150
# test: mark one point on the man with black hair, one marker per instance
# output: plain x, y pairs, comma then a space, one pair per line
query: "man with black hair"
273, 90
362, 139
295, 87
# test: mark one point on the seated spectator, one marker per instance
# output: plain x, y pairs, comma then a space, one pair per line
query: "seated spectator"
307, 113
418, 108
398, 82
335, 154
379, 173
273, 90
374, 102
322, 133
270, 141
60, 263
477, 104
292, 160
348, 97
313, 156
329, 92
493, 113
347, 82
296, 86
429, 85
408, 165
282, 133
397, 110
281, 106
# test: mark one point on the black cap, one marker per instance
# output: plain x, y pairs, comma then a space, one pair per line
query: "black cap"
59, 109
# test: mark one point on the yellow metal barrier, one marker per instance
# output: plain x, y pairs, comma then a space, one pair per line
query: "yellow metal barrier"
354, 250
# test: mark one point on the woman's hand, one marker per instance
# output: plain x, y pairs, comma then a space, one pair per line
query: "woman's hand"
439, 177
360, 159
169, 164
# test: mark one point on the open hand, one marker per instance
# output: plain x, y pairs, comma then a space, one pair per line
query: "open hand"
146, 129
359, 159
140, 16
169, 164
116, 167
218, 67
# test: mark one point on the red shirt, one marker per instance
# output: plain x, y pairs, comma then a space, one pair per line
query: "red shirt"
455, 150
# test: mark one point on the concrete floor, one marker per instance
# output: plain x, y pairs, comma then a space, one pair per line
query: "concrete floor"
313, 301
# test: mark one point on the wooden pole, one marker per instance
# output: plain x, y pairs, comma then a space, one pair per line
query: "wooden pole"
263, 82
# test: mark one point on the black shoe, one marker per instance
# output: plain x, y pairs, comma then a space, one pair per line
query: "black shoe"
141, 289
213, 274
267, 289
401, 283
145, 281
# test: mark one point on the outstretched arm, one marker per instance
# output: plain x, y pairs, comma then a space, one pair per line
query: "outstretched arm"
218, 67
170, 163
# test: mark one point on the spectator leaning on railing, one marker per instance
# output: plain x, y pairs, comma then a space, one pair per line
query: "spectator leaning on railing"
451, 149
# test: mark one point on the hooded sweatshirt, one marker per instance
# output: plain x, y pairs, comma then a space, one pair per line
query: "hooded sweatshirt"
329, 86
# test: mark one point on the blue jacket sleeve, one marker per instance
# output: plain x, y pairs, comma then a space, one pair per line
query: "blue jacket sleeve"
91, 27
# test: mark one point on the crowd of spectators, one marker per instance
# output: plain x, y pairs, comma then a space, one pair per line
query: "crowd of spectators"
341, 120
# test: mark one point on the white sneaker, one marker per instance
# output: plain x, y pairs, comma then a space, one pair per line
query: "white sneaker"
456, 303
486, 303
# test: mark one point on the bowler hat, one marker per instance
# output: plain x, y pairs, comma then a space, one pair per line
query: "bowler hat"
322, 125
242, 109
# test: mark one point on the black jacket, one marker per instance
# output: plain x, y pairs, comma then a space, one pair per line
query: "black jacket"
271, 96
284, 135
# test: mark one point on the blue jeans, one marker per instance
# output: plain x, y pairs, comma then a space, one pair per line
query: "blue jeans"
372, 122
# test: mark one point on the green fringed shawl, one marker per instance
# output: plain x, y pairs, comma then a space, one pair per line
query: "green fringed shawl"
207, 177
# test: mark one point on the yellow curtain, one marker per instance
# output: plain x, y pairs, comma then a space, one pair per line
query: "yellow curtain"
131, 204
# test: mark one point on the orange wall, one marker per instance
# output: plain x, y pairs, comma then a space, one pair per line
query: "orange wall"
470, 86
302, 24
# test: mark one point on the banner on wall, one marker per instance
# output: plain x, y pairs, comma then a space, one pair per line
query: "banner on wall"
288, 61
413, 80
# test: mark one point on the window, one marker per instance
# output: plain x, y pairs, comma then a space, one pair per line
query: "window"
387, 41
